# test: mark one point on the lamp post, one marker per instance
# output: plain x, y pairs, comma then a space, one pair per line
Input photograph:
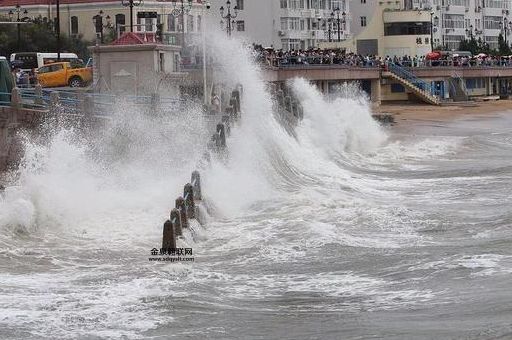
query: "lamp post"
131, 4
327, 26
181, 11
434, 21
18, 11
336, 12
505, 26
206, 6
228, 17
98, 24
469, 32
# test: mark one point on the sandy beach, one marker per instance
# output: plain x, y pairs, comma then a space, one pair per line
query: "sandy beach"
422, 112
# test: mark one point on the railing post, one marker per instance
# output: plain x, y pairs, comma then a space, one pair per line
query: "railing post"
288, 103
168, 237
54, 100
196, 185
188, 194
16, 101
222, 134
181, 206
38, 92
226, 121
155, 100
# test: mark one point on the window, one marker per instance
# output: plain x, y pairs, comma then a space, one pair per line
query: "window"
284, 3
240, 4
363, 21
44, 69
74, 25
363, 1
291, 44
492, 22
452, 42
240, 25
98, 23
317, 4
335, 4
120, 22
407, 28
296, 4
171, 23
148, 23
55, 67
290, 24
475, 83
496, 4
453, 21
199, 22
139, 20
397, 88
162, 62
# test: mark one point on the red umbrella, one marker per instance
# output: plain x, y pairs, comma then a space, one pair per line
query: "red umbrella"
433, 55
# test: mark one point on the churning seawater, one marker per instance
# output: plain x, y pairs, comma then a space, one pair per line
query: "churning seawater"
346, 230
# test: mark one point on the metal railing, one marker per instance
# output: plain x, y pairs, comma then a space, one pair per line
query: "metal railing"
41, 99
411, 78
340, 62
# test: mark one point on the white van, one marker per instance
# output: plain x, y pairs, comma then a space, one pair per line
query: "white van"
31, 60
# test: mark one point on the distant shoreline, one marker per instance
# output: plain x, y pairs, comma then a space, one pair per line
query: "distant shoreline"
420, 111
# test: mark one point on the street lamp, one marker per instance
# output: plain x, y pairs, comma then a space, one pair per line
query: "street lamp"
181, 11
206, 6
327, 27
469, 32
505, 26
434, 21
131, 4
98, 23
336, 12
230, 23
18, 10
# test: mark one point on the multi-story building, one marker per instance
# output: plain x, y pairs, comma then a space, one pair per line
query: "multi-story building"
77, 17
288, 24
404, 27
455, 20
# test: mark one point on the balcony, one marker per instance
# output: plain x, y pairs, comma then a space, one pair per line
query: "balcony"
406, 16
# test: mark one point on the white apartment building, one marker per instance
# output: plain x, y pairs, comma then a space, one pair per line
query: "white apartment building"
455, 20
287, 24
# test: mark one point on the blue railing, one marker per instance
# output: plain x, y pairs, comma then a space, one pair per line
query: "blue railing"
72, 100
410, 77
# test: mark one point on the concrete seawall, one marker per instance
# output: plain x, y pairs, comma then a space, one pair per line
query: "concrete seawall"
11, 121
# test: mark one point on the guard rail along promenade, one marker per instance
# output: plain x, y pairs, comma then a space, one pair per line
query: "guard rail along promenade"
27, 108
434, 82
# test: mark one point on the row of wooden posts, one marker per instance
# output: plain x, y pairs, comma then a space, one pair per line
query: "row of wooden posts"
185, 206
223, 128
287, 104
184, 210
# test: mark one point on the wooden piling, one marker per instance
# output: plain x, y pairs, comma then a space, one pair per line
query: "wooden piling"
226, 121
188, 194
16, 101
196, 185
168, 238
181, 206
38, 95
221, 131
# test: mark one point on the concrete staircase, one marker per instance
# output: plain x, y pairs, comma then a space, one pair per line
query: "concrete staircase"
423, 90
458, 90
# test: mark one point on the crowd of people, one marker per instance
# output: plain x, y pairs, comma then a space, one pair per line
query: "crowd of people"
280, 58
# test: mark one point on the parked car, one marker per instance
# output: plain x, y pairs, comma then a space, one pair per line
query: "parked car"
64, 74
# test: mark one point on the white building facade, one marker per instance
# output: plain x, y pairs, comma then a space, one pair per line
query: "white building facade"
288, 24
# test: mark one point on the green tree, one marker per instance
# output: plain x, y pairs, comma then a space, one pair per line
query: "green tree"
39, 36
503, 47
